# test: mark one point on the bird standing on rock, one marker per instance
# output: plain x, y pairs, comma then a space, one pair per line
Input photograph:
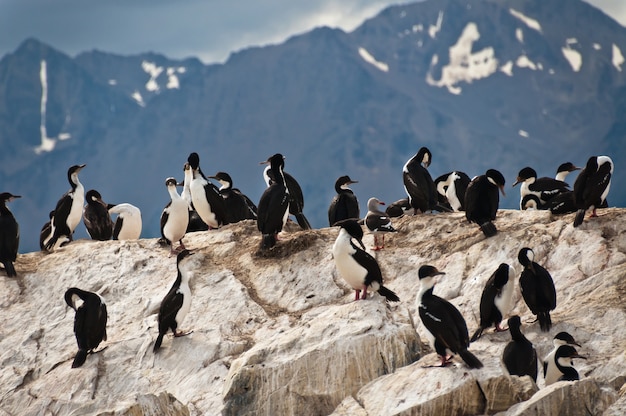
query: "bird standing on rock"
551, 372
418, 183
357, 267
592, 186
537, 288
482, 200
378, 222
174, 218
496, 299
519, 355
273, 208
90, 321
205, 196
344, 204
96, 217
9, 234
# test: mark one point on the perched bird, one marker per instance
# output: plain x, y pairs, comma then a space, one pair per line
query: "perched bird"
496, 300
356, 266
205, 196
90, 321
543, 188
176, 304
344, 204
565, 169
296, 197
399, 208
273, 208
519, 355
238, 206
9, 234
418, 183
445, 326
537, 288
174, 218
452, 186
551, 373
563, 362
46, 232
377, 222
195, 222
68, 211
96, 217
128, 222
482, 200
592, 186
532, 202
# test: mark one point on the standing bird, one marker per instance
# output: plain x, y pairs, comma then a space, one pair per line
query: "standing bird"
445, 326
90, 321
195, 222
128, 223
418, 183
563, 362
592, 186
496, 300
46, 232
551, 373
96, 217
296, 197
174, 218
519, 355
205, 196
177, 302
238, 206
344, 204
452, 186
9, 234
68, 211
482, 200
273, 208
377, 222
357, 267
543, 188
537, 288
565, 169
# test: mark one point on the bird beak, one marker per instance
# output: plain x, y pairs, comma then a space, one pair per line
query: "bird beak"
381, 203
361, 243
502, 190
578, 356
14, 197
518, 180
180, 184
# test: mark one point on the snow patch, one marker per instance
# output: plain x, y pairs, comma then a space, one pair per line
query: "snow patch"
597, 46
531, 23
519, 34
465, 65
618, 58
154, 71
524, 62
523, 133
137, 97
507, 68
112, 82
574, 57
417, 28
367, 57
47, 143
434, 29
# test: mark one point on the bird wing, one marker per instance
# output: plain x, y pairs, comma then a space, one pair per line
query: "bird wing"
377, 222
548, 187
454, 334
164, 217
170, 305
364, 258
487, 298
528, 287
119, 223
548, 291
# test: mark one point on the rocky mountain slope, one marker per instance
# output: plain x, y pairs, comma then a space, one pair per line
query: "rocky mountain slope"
279, 333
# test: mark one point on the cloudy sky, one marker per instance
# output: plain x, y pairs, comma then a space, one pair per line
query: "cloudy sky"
207, 29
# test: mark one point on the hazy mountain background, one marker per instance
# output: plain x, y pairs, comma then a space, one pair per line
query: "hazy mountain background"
481, 83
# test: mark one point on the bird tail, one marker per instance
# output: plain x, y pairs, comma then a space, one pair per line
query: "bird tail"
388, 293
545, 322
489, 229
8, 266
50, 244
80, 358
580, 216
470, 359
268, 241
477, 334
302, 221
157, 343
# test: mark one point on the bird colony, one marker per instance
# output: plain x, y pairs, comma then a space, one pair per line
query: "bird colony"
232, 284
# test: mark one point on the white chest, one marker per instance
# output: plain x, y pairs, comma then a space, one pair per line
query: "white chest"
186, 306
351, 271
200, 203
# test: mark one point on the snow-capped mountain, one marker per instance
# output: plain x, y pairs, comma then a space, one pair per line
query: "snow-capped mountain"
482, 83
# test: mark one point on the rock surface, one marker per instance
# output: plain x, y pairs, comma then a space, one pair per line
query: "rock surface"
279, 333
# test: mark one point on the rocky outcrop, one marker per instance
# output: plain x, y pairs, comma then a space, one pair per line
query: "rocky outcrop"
279, 333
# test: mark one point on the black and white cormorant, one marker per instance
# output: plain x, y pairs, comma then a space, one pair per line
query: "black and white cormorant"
399, 208
551, 373
90, 321
238, 206
377, 222
195, 222
344, 204
296, 197
176, 304
46, 232
482, 200
565, 169
496, 300
592, 186
356, 266
273, 208
68, 211
543, 188
205, 196
564, 365
537, 288
519, 355
96, 217
9, 234
418, 183
445, 326
128, 223
174, 218
451, 187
